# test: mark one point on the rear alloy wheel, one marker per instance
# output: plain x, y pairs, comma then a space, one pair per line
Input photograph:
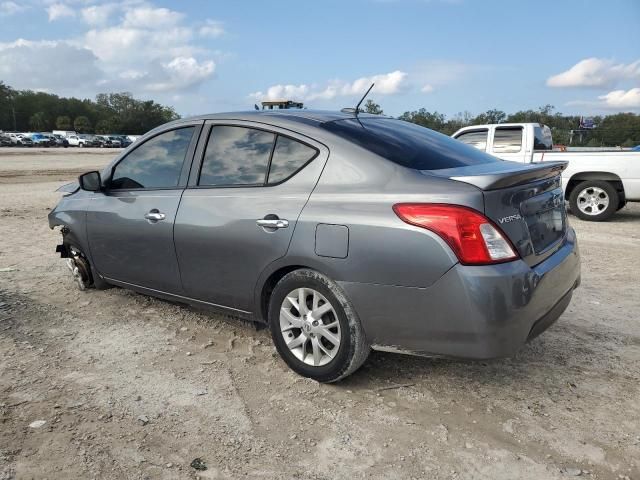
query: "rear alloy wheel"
314, 328
594, 200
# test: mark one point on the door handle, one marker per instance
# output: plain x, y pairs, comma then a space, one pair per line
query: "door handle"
154, 215
272, 223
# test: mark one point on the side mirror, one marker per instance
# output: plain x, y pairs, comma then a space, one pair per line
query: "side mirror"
90, 181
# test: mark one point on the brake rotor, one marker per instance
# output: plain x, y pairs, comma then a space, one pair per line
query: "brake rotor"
79, 271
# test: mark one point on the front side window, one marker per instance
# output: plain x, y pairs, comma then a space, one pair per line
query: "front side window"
157, 163
507, 140
289, 156
476, 138
236, 156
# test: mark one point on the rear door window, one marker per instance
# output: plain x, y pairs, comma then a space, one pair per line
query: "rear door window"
236, 156
289, 156
507, 140
475, 138
407, 144
157, 163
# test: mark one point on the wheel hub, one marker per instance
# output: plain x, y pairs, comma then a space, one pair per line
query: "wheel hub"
593, 200
310, 327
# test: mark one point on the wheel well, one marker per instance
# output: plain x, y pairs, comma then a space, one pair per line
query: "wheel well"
602, 176
270, 284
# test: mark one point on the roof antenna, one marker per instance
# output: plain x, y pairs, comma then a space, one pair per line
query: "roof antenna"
356, 110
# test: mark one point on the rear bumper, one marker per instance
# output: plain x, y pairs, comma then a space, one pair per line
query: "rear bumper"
472, 312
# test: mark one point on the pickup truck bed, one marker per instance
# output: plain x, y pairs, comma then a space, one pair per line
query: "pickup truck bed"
596, 183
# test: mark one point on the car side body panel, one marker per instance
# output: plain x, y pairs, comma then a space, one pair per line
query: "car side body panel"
220, 247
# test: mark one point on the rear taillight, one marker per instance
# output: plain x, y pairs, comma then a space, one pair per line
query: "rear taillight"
474, 238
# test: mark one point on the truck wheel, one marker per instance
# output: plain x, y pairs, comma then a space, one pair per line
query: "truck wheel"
314, 327
594, 200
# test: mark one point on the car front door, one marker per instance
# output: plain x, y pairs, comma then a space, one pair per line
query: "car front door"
130, 223
240, 209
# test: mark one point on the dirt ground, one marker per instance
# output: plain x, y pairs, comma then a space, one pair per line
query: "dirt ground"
131, 387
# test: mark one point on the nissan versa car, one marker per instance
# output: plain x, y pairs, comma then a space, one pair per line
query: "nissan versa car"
343, 232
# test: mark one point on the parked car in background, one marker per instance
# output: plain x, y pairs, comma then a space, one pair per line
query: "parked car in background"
88, 140
60, 141
64, 133
596, 183
40, 140
341, 231
81, 141
124, 141
116, 142
20, 139
5, 140
25, 141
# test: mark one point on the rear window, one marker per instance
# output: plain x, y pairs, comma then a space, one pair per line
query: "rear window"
542, 138
407, 144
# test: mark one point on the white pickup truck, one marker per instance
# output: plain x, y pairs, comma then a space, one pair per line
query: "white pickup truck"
596, 184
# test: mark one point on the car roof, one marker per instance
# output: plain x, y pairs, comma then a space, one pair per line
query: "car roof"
285, 116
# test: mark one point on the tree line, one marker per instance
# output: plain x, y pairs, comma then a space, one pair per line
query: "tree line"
26, 110
620, 129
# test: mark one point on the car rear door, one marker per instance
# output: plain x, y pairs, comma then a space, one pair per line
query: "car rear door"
246, 191
130, 223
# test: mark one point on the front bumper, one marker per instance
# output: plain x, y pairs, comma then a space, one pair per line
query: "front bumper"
474, 312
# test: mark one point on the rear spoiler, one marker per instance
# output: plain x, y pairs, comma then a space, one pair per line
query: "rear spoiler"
494, 176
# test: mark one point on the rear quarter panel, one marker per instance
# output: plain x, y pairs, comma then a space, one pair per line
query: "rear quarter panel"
358, 190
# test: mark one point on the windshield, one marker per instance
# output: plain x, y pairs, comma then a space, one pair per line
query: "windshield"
407, 144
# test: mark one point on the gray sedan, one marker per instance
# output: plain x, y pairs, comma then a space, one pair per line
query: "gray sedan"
341, 232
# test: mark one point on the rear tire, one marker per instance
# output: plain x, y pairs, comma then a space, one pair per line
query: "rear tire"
594, 200
326, 347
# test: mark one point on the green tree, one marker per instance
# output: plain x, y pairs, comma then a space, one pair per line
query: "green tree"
103, 126
63, 122
38, 121
372, 107
82, 124
491, 116
7, 96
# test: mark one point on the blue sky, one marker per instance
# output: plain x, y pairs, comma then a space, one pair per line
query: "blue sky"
446, 55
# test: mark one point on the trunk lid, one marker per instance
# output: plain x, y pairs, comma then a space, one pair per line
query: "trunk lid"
525, 201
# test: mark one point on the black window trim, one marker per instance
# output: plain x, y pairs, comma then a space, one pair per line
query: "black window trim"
276, 134
186, 165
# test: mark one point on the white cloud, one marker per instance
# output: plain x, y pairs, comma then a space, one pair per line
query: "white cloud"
181, 73
385, 84
10, 8
98, 15
59, 10
427, 88
622, 99
595, 73
130, 45
149, 17
212, 29
44, 70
